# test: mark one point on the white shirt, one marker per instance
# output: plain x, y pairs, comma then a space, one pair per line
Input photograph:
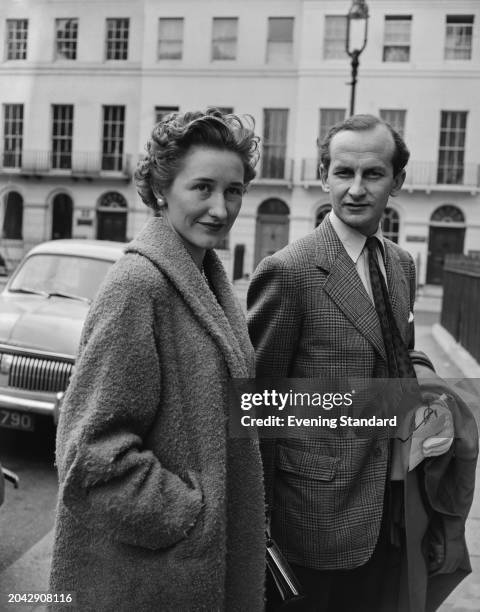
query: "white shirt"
354, 243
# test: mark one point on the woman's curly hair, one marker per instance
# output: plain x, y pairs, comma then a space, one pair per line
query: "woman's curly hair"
172, 138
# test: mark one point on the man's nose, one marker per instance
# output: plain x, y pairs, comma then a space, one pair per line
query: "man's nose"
357, 188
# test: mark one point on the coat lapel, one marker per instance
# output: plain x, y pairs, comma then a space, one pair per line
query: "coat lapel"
219, 314
345, 287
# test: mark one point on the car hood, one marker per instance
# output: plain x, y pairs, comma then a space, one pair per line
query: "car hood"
49, 324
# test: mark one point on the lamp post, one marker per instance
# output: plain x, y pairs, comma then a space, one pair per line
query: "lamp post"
357, 30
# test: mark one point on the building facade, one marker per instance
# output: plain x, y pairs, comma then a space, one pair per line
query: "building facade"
82, 83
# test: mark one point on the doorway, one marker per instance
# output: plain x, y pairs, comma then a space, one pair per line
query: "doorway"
112, 217
62, 210
446, 236
272, 227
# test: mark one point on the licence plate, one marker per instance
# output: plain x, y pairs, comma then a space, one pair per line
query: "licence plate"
13, 419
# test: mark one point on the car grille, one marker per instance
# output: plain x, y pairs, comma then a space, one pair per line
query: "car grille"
38, 374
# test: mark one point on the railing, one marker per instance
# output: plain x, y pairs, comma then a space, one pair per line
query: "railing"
461, 297
78, 163
419, 174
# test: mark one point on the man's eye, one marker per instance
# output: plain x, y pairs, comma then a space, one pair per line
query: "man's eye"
342, 173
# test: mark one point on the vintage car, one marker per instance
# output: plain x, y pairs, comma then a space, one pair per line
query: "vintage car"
42, 311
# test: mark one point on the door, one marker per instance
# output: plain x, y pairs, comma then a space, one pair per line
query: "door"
111, 225
442, 241
62, 210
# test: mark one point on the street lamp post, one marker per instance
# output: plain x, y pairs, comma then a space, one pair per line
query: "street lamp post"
358, 15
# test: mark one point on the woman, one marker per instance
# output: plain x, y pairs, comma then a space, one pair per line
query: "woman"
158, 509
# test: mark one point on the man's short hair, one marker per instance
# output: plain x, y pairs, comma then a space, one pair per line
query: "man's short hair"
359, 123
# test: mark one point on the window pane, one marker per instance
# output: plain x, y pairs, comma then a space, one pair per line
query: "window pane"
66, 38
117, 39
458, 38
452, 147
224, 38
280, 40
163, 111
170, 38
274, 143
17, 33
113, 130
335, 37
12, 135
396, 43
62, 134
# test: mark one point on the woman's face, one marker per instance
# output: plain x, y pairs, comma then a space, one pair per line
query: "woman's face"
205, 198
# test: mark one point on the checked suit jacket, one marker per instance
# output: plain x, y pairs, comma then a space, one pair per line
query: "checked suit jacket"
310, 316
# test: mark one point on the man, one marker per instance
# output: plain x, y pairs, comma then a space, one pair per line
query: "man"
313, 313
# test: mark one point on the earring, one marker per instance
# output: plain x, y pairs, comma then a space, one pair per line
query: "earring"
161, 202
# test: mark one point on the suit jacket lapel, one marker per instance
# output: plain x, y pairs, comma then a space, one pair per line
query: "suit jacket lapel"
345, 287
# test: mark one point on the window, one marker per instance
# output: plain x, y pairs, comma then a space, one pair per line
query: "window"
328, 118
335, 37
12, 135
280, 40
117, 39
224, 38
170, 38
17, 32
452, 147
390, 224
274, 142
163, 111
113, 134
395, 117
396, 43
66, 31
62, 133
226, 110
13, 216
458, 44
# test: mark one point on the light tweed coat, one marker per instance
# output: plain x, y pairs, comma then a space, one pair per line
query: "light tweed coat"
310, 316
158, 509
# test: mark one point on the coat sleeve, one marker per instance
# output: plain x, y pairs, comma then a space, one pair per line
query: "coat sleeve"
274, 317
108, 479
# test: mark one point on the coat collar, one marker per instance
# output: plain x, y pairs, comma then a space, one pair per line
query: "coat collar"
220, 313
346, 289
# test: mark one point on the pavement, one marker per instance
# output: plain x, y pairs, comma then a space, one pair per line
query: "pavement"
30, 572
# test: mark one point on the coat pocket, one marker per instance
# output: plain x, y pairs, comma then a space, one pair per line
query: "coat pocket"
308, 465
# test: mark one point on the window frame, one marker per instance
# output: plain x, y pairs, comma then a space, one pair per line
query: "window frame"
117, 36
70, 40
272, 56
179, 40
13, 129
451, 155
455, 20
62, 136
397, 45
16, 39
113, 137
218, 41
274, 166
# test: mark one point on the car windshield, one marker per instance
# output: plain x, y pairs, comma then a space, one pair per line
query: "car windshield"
62, 275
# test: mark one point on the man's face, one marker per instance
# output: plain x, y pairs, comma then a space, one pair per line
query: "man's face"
360, 177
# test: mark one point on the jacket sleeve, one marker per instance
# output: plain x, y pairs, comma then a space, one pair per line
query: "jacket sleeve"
108, 479
274, 317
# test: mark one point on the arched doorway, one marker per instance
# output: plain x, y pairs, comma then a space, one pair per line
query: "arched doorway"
271, 233
12, 227
62, 211
446, 235
112, 217
391, 224
322, 212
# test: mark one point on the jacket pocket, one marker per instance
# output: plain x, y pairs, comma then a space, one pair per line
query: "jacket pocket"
308, 465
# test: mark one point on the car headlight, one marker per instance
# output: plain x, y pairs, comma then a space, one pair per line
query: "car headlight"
6, 361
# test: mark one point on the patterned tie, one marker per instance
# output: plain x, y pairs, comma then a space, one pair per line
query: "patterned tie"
398, 359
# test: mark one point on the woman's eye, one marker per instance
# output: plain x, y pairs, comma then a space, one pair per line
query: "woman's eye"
236, 191
203, 187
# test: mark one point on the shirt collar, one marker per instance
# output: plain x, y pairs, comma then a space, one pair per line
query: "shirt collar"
352, 240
